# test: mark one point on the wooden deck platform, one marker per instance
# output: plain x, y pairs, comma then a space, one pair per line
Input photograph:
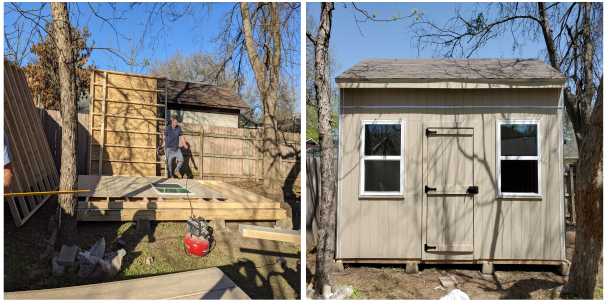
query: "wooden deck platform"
210, 283
121, 198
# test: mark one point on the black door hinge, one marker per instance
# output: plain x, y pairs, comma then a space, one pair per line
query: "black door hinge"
426, 247
427, 189
428, 132
473, 190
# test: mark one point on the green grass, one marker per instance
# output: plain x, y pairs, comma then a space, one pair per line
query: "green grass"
434, 269
355, 295
125, 227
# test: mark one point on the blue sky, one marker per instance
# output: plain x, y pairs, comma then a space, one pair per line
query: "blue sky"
184, 34
392, 39
180, 35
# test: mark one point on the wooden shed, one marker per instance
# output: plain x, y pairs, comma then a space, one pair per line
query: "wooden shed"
451, 161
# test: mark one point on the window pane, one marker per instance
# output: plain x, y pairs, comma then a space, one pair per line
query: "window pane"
519, 139
382, 140
519, 176
382, 175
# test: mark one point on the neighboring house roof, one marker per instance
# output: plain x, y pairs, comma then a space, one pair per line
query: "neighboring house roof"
201, 94
570, 149
450, 69
315, 152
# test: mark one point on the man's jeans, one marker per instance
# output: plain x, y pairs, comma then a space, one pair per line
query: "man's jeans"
179, 160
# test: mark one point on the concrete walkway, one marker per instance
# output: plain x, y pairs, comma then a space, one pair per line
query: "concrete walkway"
210, 283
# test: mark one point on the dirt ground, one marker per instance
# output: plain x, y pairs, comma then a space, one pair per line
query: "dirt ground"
250, 263
509, 282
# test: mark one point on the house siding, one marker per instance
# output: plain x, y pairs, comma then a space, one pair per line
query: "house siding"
504, 229
204, 118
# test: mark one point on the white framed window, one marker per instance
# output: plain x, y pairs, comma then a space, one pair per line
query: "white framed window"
382, 158
518, 158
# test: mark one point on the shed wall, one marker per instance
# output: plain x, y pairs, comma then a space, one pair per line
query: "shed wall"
504, 229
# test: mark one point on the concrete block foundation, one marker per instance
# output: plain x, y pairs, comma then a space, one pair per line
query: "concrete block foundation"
563, 268
487, 268
411, 267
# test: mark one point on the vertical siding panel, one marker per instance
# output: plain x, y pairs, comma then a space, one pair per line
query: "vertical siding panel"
497, 100
423, 99
414, 167
525, 206
487, 225
469, 201
555, 165
396, 206
459, 96
354, 171
506, 203
536, 222
389, 206
404, 211
546, 177
430, 101
476, 99
516, 224
346, 199
441, 100
383, 96
374, 204
365, 204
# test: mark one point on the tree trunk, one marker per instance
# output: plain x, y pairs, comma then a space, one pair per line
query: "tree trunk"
67, 233
324, 269
589, 208
268, 90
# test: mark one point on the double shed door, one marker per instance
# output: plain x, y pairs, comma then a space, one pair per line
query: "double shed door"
449, 162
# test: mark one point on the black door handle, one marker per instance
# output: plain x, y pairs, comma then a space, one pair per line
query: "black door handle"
427, 189
426, 247
428, 132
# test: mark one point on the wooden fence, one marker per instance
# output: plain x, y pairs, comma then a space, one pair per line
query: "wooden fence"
570, 201
230, 154
234, 154
313, 198
51, 123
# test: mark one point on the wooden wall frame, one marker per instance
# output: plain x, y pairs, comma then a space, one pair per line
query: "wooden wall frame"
123, 125
33, 166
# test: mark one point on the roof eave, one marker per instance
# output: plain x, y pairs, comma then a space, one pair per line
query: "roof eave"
450, 83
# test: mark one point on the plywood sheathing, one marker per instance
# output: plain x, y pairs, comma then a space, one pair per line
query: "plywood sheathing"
32, 162
125, 186
130, 128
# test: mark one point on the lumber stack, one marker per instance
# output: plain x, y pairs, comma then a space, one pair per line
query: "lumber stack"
33, 166
231, 204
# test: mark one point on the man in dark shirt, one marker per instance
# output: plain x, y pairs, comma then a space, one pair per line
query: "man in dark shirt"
171, 135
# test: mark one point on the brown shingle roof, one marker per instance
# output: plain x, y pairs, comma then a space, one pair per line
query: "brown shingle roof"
444, 69
201, 94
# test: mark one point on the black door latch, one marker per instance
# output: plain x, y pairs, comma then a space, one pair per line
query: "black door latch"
428, 132
427, 189
426, 247
473, 190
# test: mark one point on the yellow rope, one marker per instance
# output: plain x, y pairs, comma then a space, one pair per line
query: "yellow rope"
43, 193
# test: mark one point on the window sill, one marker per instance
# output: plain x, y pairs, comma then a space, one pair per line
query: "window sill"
519, 196
385, 197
